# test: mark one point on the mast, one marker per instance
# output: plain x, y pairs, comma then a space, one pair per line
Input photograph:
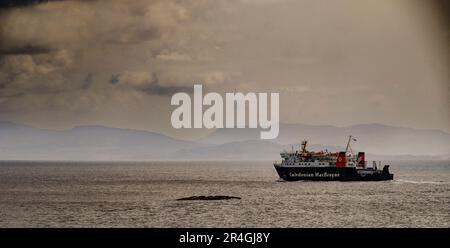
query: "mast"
349, 148
304, 146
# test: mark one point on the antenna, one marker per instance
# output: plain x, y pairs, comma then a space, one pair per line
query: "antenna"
349, 148
304, 143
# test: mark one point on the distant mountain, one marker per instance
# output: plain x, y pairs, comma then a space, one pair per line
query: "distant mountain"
372, 138
20, 142
85, 143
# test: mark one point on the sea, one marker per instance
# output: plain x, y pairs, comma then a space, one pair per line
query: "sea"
144, 194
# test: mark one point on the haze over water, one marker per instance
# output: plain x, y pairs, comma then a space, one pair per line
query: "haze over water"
117, 194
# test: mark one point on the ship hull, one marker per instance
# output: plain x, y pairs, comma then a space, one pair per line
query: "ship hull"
331, 174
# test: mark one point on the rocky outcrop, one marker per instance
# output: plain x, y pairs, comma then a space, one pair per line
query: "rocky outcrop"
208, 198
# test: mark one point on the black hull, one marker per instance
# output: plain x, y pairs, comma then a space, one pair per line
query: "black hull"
332, 174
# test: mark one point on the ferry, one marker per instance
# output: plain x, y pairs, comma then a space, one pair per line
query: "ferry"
327, 166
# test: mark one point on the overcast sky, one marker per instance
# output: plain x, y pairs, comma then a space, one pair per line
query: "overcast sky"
117, 63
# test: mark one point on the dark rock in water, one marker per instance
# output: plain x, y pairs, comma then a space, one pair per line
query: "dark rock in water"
208, 198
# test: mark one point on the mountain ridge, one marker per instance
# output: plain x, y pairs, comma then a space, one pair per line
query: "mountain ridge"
376, 138
97, 142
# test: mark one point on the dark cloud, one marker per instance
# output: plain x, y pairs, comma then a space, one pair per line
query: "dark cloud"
147, 83
157, 89
442, 7
343, 62
115, 79
4, 4
85, 23
11, 91
27, 49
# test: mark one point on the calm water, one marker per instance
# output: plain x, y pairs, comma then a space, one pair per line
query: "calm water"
143, 195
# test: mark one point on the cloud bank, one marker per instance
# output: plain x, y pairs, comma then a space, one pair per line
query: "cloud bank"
116, 62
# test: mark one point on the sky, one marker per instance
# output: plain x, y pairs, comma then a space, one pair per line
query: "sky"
117, 63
